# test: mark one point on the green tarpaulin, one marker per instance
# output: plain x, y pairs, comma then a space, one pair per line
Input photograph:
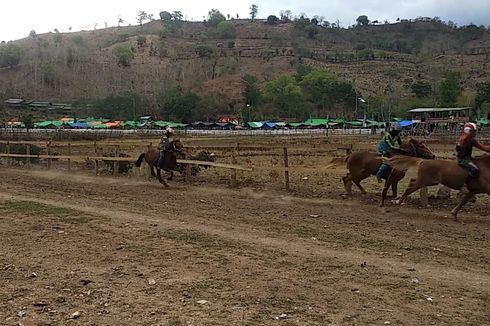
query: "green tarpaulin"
316, 122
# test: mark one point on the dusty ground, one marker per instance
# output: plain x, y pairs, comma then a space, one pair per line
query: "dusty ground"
126, 251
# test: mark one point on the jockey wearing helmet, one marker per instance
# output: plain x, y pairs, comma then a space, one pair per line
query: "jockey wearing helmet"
165, 145
464, 149
391, 141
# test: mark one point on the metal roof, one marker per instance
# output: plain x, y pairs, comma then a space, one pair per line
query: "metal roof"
422, 110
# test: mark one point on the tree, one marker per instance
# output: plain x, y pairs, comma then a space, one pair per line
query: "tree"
311, 31
226, 29
286, 15
123, 54
177, 16
254, 9
123, 106
165, 16
142, 16
178, 104
251, 92
362, 20
285, 95
32, 33
421, 88
28, 121
483, 95
450, 89
10, 55
119, 20
272, 20
318, 86
215, 17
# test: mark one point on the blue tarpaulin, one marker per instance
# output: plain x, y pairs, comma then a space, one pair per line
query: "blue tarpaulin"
405, 123
79, 125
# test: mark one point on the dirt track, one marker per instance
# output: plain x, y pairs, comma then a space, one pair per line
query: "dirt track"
97, 245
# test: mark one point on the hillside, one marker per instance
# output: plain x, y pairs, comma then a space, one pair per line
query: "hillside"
380, 60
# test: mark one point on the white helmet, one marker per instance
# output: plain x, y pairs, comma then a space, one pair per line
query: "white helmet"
169, 130
470, 127
396, 126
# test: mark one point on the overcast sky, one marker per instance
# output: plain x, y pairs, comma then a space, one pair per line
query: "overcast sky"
19, 17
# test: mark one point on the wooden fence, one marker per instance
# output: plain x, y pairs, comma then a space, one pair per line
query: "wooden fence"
48, 156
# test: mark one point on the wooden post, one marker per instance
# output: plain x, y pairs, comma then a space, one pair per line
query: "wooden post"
9, 160
48, 146
96, 165
234, 182
116, 163
188, 171
69, 160
424, 196
28, 152
286, 165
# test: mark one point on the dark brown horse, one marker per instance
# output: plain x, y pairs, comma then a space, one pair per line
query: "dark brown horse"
363, 164
448, 173
169, 164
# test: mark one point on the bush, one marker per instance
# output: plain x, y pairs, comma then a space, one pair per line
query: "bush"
10, 55
123, 54
141, 40
204, 51
226, 29
272, 20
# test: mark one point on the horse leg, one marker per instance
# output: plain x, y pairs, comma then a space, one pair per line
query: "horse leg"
162, 181
413, 186
465, 199
388, 183
347, 180
358, 184
171, 176
394, 188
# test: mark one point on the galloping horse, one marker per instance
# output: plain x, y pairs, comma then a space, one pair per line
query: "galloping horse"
448, 173
364, 164
169, 164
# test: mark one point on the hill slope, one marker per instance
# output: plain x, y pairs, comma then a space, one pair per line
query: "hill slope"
380, 60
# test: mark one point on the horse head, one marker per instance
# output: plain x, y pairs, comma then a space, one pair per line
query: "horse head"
420, 149
177, 145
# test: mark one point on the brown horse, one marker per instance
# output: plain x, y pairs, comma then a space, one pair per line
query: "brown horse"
169, 164
448, 173
364, 164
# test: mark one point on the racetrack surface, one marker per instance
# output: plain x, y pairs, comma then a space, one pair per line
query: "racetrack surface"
129, 252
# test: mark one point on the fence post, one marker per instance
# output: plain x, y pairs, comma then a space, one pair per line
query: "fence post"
96, 165
188, 166
9, 159
49, 154
28, 152
69, 154
234, 182
286, 171
116, 163
424, 196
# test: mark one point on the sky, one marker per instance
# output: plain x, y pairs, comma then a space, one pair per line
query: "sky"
19, 17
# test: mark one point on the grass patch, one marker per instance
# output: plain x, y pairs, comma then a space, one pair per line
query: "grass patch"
33, 208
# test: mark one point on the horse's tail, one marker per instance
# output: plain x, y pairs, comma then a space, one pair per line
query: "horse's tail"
140, 159
337, 161
403, 163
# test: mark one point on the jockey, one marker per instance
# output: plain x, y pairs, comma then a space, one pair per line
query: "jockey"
390, 144
165, 145
464, 149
